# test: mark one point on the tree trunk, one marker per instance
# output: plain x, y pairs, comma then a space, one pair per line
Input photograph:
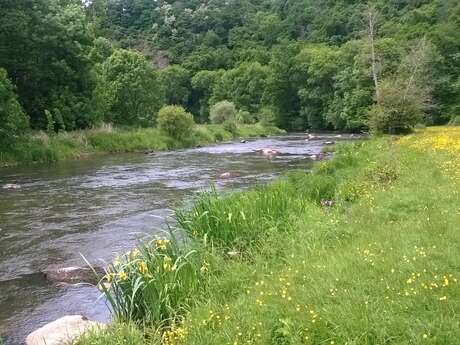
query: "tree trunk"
371, 16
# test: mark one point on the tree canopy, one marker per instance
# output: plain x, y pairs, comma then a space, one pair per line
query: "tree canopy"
309, 63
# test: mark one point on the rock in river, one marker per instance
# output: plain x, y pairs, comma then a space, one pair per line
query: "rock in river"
73, 275
62, 331
268, 152
229, 174
11, 186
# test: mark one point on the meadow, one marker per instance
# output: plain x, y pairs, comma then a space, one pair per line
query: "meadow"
361, 250
43, 148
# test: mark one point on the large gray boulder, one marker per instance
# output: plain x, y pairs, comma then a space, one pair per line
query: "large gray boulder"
62, 331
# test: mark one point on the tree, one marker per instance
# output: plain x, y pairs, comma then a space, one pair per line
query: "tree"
317, 64
44, 47
13, 120
175, 121
177, 84
353, 89
244, 85
284, 83
130, 90
222, 111
203, 85
372, 20
406, 96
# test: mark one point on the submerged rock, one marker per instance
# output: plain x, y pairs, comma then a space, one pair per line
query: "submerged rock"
243, 141
62, 331
329, 143
73, 275
229, 174
268, 152
11, 186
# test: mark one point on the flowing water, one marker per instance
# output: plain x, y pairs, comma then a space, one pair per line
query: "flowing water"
99, 207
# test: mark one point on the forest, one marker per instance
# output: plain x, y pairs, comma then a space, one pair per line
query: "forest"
346, 65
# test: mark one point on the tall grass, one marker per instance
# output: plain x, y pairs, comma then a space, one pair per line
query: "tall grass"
39, 147
239, 220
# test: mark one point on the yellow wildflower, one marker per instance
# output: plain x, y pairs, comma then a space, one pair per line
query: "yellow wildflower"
143, 269
205, 267
122, 275
134, 254
161, 243
167, 264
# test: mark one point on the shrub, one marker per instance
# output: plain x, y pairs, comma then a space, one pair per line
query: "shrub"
13, 120
175, 121
222, 111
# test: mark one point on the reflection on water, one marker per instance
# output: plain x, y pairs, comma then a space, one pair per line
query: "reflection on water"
100, 207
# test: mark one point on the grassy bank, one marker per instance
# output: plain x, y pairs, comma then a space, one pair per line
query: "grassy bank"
273, 266
71, 145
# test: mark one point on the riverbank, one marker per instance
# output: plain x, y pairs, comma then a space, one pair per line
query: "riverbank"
40, 147
363, 250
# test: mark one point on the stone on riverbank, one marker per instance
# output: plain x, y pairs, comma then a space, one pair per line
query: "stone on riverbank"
62, 331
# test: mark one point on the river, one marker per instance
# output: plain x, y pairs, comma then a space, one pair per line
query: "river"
101, 206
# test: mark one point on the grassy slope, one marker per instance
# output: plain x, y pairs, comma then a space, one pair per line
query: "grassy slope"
71, 145
381, 267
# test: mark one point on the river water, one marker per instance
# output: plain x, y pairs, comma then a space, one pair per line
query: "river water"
100, 207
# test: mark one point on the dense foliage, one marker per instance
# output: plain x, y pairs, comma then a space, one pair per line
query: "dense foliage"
316, 64
13, 121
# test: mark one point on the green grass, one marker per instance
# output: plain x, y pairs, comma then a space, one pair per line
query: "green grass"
40, 147
126, 334
379, 267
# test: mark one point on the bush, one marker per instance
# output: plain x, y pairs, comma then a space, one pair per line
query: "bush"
222, 111
13, 120
175, 121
